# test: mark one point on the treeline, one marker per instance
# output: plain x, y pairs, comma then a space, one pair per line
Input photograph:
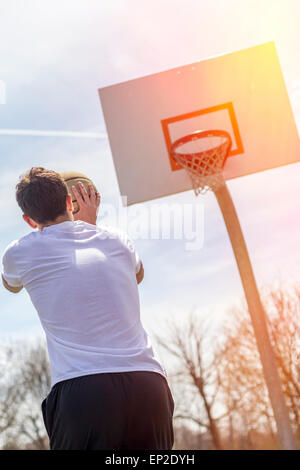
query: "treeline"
216, 379
221, 397
24, 382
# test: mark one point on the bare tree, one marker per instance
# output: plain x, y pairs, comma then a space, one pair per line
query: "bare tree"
242, 372
197, 381
24, 384
217, 377
284, 326
243, 387
9, 396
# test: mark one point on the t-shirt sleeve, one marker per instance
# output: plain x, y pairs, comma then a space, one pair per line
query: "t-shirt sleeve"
9, 269
135, 256
124, 237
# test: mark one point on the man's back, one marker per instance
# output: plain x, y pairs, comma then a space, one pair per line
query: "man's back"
82, 281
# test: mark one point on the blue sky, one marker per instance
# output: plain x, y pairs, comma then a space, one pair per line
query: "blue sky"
53, 58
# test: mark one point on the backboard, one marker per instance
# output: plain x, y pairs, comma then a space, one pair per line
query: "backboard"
241, 92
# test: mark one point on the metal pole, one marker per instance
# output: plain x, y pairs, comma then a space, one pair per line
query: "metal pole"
258, 318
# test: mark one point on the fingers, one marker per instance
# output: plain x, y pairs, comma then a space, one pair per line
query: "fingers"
83, 197
96, 196
88, 202
98, 199
78, 196
83, 192
92, 193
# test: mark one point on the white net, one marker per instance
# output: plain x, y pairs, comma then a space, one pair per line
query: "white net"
203, 156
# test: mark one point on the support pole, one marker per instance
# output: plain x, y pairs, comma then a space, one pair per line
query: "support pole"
258, 318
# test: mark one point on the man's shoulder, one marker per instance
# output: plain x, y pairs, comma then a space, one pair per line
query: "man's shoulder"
118, 234
114, 232
15, 246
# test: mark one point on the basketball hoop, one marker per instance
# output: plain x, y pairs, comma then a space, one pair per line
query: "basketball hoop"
203, 154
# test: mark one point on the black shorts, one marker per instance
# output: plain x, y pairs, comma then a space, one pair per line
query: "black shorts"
111, 411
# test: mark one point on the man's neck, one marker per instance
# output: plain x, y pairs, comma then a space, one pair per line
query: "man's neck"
62, 218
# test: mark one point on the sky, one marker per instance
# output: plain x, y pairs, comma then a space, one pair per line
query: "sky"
54, 56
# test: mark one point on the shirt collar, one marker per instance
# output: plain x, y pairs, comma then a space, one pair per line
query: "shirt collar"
67, 225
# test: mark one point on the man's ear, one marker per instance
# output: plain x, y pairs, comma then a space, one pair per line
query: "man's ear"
69, 202
30, 221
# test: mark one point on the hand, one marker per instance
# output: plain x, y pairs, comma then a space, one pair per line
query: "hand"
88, 205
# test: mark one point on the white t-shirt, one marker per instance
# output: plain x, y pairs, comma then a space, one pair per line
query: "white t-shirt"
81, 279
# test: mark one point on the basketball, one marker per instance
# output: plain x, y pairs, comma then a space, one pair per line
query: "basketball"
72, 178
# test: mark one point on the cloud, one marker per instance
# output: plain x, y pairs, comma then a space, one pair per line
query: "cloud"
45, 133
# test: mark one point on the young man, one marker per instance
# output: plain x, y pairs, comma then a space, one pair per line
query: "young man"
108, 389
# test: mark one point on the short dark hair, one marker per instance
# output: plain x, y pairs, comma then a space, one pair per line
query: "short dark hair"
41, 194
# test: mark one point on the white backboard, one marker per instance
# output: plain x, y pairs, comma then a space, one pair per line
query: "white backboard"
242, 92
